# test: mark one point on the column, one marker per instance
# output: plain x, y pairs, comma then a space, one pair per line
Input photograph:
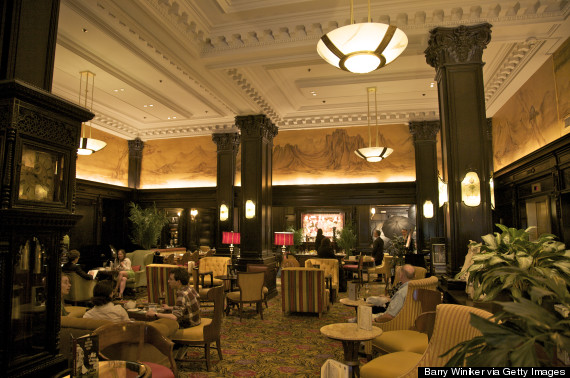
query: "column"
456, 54
228, 144
424, 134
135, 160
257, 133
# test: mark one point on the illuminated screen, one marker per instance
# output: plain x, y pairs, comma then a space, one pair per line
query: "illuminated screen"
326, 221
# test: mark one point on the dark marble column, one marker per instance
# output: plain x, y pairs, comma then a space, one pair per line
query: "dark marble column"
136, 147
228, 144
257, 133
456, 54
425, 134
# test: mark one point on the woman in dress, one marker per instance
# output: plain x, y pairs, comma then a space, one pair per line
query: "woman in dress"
123, 266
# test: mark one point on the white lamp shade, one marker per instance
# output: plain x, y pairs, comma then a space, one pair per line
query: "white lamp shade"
224, 214
89, 145
442, 188
357, 47
471, 189
374, 154
428, 209
249, 209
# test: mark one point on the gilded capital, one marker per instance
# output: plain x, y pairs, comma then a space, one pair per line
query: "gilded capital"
226, 141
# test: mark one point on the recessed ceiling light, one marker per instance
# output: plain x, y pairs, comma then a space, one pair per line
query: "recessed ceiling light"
313, 93
432, 84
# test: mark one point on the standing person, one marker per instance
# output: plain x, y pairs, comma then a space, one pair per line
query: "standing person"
123, 266
186, 311
104, 308
326, 250
319, 239
71, 265
377, 248
65, 288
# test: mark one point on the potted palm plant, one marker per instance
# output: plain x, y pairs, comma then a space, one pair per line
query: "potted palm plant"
533, 326
147, 224
346, 239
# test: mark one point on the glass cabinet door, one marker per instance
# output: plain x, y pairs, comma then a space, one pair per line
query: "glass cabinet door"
29, 302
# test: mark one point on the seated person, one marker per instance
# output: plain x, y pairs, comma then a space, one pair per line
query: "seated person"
65, 287
104, 308
186, 311
397, 300
123, 266
326, 250
71, 265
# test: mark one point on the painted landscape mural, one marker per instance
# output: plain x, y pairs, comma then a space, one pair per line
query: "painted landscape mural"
326, 156
109, 165
532, 117
179, 163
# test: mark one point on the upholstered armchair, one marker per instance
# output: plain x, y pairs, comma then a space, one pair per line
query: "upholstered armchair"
217, 265
303, 290
419, 272
290, 262
157, 283
452, 326
384, 270
139, 258
81, 289
330, 266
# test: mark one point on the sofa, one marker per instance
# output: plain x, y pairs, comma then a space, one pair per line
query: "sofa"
303, 290
73, 325
140, 258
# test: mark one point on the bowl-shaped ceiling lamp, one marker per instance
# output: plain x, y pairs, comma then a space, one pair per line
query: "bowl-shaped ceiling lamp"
363, 47
373, 154
87, 145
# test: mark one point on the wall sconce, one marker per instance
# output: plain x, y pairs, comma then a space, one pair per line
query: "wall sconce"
428, 209
193, 213
224, 214
442, 189
249, 209
372, 212
471, 189
492, 187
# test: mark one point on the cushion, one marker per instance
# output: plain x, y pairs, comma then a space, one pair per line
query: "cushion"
195, 333
159, 371
390, 365
234, 296
401, 341
136, 268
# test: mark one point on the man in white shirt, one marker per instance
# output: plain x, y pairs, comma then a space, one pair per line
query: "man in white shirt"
398, 299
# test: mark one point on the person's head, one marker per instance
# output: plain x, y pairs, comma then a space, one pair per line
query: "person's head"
65, 284
121, 254
178, 277
407, 273
320, 232
102, 293
376, 233
326, 242
73, 255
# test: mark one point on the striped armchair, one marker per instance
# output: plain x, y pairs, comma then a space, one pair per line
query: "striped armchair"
452, 326
303, 290
330, 266
157, 283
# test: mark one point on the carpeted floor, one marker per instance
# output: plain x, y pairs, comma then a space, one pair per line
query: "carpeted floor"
280, 345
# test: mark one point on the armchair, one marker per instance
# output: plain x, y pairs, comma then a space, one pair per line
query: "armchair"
81, 289
142, 258
419, 273
157, 280
384, 270
330, 266
303, 290
250, 291
217, 265
452, 326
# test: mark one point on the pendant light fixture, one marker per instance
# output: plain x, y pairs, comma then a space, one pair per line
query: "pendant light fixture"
373, 154
87, 145
363, 47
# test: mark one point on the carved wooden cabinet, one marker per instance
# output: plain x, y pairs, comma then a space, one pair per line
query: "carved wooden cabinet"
39, 134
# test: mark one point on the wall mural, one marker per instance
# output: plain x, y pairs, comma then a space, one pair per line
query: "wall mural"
529, 119
179, 163
110, 165
561, 75
326, 156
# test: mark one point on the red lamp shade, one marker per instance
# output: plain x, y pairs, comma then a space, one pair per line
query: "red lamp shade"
230, 237
284, 238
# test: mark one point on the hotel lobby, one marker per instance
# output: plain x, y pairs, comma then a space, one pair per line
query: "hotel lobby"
225, 116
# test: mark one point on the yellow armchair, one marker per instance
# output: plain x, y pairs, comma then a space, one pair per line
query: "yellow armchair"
303, 290
330, 266
217, 265
81, 289
452, 326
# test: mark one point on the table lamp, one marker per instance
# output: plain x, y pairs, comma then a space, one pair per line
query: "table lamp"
284, 239
231, 238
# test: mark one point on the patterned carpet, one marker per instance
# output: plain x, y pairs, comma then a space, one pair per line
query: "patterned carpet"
280, 345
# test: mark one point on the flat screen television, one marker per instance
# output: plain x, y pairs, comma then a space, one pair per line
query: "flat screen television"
311, 222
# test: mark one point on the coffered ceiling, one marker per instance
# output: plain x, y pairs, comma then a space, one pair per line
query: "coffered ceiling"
174, 68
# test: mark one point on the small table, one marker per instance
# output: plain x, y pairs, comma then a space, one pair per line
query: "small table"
354, 303
230, 278
351, 337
